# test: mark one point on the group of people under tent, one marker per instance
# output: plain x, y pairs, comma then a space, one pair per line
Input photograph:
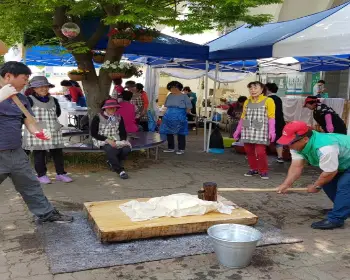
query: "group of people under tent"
324, 115
259, 122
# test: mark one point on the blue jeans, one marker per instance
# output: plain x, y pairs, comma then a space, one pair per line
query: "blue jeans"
338, 190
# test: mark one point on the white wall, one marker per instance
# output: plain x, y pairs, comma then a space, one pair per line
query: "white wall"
292, 9
273, 10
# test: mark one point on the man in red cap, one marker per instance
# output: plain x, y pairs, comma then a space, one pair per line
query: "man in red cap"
325, 116
330, 152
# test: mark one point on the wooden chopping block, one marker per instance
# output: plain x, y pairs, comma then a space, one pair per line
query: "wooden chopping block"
111, 224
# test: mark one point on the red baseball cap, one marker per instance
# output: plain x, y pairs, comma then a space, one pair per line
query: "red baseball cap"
293, 131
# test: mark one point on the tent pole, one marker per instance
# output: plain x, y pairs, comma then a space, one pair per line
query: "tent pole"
205, 103
322, 75
212, 104
149, 91
347, 101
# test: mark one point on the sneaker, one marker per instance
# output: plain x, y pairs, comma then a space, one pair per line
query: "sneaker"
264, 176
280, 160
44, 180
64, 178
180, 152
251, 173
169, 151
56, 217
123, 175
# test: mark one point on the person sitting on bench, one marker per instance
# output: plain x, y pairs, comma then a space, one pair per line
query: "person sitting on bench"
108, 132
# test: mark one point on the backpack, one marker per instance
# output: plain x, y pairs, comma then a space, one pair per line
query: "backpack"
216, 141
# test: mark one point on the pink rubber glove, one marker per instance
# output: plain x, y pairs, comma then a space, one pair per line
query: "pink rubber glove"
272, 130
43, 135
237, 133
329, 124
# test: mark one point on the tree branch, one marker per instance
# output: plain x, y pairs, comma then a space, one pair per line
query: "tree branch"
59, 18
93, 40
112, 10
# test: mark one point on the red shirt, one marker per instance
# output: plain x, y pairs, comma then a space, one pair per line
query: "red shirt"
119, 89
144, 98
75, 93
128, 112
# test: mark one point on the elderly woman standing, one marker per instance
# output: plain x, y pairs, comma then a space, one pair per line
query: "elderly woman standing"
144, 97
139, 98
46, 110
174, 121
257, 127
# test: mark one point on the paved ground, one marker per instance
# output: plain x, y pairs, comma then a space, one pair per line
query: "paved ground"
323, 254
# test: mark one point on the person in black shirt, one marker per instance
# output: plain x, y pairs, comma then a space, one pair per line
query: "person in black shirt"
108, 132
272, 89
235, 113
325, 116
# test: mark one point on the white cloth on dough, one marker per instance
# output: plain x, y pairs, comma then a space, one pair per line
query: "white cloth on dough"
175, 205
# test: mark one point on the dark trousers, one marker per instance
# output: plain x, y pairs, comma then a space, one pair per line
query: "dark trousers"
144, 125
181, 139
15, 164
40, 161
338, 191
116, 156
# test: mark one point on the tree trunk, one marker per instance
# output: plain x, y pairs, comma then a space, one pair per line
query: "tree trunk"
97, 88
94, 95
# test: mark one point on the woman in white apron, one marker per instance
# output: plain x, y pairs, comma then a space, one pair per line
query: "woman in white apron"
256, 129
46, 110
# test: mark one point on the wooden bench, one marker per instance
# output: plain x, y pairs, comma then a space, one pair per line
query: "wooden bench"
139, 141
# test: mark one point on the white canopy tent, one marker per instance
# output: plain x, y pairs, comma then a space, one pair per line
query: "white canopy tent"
318, 42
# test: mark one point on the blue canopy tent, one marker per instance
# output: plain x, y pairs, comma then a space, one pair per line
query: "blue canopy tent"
296, 38
318, 42
164, 47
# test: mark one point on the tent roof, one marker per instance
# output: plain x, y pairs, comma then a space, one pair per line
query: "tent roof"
164, 47
266, 65
234, 66
324, 33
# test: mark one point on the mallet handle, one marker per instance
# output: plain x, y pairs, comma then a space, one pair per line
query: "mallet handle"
24, 110
259, 190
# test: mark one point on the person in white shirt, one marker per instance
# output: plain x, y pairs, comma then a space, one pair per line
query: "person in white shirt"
331, 153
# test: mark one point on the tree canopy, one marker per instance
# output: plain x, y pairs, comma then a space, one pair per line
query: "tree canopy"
36, 18
39, 22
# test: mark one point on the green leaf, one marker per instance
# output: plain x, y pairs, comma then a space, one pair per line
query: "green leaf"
32, 22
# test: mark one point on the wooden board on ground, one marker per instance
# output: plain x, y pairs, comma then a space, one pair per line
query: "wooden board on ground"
111, 224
